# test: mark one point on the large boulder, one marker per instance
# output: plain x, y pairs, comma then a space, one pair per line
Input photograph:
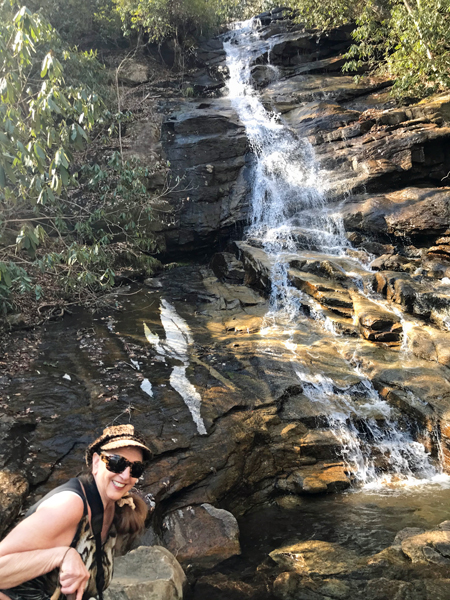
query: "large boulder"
147, 573
201, 535
134, 71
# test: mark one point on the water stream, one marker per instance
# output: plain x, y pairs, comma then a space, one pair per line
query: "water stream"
167, 363
288, 206
290, 215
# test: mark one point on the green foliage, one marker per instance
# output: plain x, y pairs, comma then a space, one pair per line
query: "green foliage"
43, 121
46, 117
407, 40
14, 279
183, 19
122, 209
326, 14
76, 21
421, 58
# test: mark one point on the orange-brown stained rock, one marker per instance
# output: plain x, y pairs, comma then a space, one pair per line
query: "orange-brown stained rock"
316, 558
13, 490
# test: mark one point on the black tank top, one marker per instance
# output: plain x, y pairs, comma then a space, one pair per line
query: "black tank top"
46, 587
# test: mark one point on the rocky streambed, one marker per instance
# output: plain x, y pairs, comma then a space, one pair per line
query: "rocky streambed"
266, 442
304, 360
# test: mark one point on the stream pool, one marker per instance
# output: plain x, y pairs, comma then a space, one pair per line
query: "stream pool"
360, 521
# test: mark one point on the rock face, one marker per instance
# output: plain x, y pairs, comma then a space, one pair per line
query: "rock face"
226, 267
13, 491
387, 164
201, 535
208, 153
147, 573
415, 566
241, 409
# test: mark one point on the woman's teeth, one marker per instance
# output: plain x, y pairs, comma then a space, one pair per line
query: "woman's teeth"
118, 485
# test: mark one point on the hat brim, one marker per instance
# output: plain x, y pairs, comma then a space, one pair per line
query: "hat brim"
124, 443
118, 436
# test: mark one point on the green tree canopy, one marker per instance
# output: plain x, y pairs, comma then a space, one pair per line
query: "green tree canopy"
182, 19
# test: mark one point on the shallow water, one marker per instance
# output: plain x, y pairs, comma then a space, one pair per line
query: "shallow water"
359, 521
99, 351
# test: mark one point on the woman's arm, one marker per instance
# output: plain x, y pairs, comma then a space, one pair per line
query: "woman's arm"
18, 567
41, 543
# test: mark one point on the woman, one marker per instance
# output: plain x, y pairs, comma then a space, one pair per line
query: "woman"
65, 544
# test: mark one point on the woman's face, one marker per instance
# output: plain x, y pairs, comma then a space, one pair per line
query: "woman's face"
112, 486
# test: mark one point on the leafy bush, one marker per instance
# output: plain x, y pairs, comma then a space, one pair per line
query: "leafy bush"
183, 19
45, 121
76, 21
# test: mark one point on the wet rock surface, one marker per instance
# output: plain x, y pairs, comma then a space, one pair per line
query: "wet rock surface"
238, 409
262, 433
388, 164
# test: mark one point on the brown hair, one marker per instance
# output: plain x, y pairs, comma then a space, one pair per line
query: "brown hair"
128, 520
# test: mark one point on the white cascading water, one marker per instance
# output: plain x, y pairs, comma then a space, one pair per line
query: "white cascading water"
374, 448
289, 212
288, 205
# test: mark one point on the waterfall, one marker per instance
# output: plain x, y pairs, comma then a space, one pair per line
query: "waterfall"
375, 449
288, 205
290, 215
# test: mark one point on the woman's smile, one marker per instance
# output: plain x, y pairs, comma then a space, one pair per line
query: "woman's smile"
118, 484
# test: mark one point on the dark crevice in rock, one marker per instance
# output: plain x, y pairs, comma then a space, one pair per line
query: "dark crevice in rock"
36, 484
231, 411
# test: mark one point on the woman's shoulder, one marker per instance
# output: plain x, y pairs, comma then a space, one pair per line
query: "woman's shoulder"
65, 500
53, 523
68, 499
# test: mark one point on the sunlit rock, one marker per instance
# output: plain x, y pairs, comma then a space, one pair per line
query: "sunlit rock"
376, 323
13, 491
429, 547
316, 558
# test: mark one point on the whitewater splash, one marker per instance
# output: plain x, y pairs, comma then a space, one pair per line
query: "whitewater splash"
376, 450
289, 213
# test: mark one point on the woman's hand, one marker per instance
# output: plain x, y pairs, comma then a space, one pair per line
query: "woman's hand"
73, 575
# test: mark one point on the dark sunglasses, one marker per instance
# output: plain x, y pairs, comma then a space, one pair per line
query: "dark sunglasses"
117, 464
